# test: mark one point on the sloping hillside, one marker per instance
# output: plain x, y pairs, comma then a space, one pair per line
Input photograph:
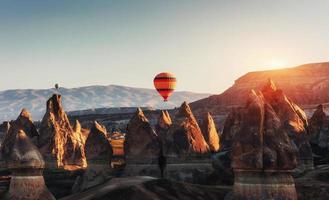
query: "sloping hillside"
307, 85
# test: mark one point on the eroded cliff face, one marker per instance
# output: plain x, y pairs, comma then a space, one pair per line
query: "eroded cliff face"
184, 136
306, 85
141, 142
57, 141
262, 152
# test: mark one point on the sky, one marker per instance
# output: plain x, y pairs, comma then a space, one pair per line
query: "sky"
207, 44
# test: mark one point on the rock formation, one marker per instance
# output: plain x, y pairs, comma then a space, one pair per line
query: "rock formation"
319, 133
26, 122
293, 121
74, 149
210, 133
99, 154
184, 136
57, 141
98, 147
163, 125
319, 128
232, 125
141, 142
262, 155
26, 165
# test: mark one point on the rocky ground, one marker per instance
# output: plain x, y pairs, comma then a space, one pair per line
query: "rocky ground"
148, 188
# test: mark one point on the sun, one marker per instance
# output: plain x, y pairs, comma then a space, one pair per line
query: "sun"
276, 64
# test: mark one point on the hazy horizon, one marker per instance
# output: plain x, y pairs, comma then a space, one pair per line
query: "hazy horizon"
206, 44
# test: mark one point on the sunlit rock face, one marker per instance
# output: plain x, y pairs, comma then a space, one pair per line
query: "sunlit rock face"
58, 142
184, 136
262, 155
75, 144
26, 165
141, 143
98, 147
210, 133
293, 120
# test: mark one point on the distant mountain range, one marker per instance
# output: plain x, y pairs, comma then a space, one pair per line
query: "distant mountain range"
91, 97
307, 85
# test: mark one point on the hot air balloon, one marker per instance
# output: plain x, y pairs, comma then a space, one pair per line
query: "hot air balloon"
56, 86
165, 84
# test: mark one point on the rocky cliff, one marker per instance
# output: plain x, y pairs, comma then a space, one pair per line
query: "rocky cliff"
306, 85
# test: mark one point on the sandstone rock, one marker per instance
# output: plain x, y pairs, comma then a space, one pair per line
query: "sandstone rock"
261, 143
262, 155
319, 133
98, 147
210, 133
26, 122
163, 125
293, 120
184, 136
57, 141
26, 164
232, 125
318, 129
75, 154
141, 142
93, 176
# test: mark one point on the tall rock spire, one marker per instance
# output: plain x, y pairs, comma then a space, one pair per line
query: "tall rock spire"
57, 140
210, 133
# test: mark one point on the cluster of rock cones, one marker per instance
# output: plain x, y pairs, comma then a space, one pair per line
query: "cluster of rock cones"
267, 139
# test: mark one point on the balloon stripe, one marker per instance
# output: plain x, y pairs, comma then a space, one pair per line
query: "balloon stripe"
165, 78
165, 85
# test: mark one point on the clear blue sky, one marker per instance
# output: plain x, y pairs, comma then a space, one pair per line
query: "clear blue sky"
207, 44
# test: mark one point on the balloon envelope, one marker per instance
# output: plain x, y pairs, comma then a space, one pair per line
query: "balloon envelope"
165, 84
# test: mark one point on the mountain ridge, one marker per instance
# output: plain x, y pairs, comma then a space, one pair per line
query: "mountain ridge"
87, 97
305, 84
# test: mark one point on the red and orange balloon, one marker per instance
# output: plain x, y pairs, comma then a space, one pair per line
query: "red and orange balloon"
165, 84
